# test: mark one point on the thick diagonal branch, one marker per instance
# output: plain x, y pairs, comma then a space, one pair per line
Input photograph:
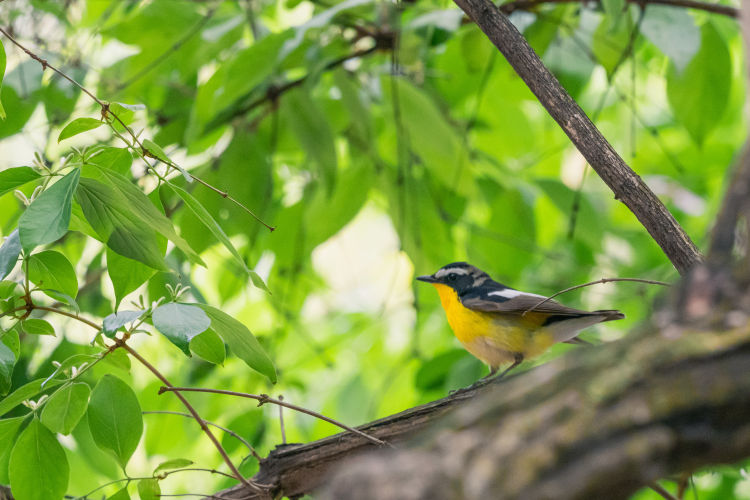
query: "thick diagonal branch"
627, 186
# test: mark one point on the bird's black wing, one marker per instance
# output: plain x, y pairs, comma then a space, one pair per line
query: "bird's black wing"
509, 301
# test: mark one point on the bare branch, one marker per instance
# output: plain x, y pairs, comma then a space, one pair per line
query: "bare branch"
627, 186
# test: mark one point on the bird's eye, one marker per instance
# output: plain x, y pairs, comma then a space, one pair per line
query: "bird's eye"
452, 277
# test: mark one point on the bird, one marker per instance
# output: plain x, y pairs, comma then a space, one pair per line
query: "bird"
498, 324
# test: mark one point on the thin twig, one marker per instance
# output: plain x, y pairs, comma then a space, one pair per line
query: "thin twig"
122, 344
141, 150
724, 10
164, 55
597, 282
249, 484
265, 398
228, 431
661, 491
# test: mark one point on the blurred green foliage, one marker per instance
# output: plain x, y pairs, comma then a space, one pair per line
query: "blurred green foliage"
381, 140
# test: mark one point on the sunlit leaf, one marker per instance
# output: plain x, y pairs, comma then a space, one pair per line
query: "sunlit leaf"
674, 32
241, 341
51, 270
37, 450
126, 274
47, 218
27, 391
116, 224
13, 178
180, 323
114, 416
7, 362
117, 320
148, 489
65, 407
35, 326
8, 432
175, 463
77, 126
9, 252
209, 346
705, 80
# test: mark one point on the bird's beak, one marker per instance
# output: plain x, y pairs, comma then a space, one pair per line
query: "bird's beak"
427, 279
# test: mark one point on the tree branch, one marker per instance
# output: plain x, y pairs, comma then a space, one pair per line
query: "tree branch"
573, 428
627, 186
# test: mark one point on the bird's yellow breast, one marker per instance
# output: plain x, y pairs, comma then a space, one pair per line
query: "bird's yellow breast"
494, 338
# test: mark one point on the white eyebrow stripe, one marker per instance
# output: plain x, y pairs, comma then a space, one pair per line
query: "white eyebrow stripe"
444, 272
509, 294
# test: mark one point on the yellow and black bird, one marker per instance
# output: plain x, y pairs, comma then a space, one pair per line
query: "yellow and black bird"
498, 324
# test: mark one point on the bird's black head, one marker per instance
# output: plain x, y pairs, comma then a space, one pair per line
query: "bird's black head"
460, 276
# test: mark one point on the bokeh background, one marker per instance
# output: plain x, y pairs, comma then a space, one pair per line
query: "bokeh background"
382, 140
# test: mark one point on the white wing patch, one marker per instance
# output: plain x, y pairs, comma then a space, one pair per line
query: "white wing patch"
509, 293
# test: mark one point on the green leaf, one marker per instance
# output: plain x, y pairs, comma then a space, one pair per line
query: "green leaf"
180, 323
35, 326
115, 418
47, 218
148, 489
614, 10
118, 159
7, 288
430, 134
78, 126
52, 271
705, 80
9, 252
116, 224
117, 320
37, 452
11, 340
8, 432
13, 178
313, 132
126, 274
65, 407
156, 151
120, 495
25, 392
141, 206
230, 81
175, 463
7, 362
609, 43
674, 32
241, 341
207, 220
209, 346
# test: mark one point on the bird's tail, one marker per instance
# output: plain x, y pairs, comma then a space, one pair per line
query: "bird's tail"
609, 314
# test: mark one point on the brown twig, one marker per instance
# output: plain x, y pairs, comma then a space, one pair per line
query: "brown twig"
724, 10
626, 185
273, 93
597, 282
204, 427
141, 150
265, 398
239, 438
662, 491
164, 55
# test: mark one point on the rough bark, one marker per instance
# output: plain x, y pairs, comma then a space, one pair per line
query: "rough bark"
598, 423
627, 186
580, 431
